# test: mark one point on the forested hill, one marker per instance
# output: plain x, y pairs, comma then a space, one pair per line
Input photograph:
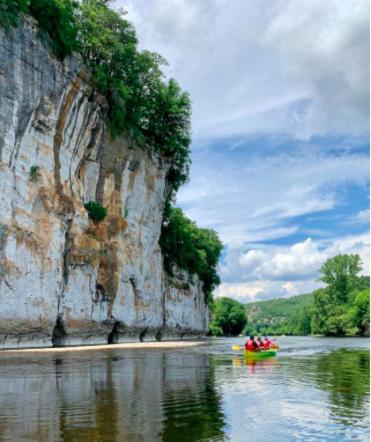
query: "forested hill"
340, 308
279, 316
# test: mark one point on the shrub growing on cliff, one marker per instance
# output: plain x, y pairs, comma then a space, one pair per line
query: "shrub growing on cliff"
34, 173
190, 248
96, 211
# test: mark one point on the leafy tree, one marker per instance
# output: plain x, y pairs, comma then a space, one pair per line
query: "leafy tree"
340, 274
303, 326
170, 128
9, 12
229, 316
108, 45
360, 312
56, 17
154, 112
190, 248
215, 329
341, 308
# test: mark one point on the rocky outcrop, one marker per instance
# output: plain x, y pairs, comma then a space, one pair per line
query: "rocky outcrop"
63, 278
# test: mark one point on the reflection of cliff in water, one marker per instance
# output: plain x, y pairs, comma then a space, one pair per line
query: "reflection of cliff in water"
193, 414
131, 396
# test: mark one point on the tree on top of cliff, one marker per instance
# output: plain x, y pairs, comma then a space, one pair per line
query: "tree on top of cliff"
155, 112
9, 10
57, 19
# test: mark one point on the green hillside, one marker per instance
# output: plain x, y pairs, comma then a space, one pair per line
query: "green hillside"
280, 316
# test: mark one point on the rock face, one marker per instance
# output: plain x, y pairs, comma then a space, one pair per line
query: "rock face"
63, 278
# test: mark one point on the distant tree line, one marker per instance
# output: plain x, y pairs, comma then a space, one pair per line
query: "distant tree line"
341, 308
229, 317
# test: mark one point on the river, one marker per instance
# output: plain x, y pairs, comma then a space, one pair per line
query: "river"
315, 389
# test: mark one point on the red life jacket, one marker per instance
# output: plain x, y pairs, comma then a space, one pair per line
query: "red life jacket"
267, 343
250, 345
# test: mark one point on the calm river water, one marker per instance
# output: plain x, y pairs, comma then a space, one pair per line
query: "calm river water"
316, 389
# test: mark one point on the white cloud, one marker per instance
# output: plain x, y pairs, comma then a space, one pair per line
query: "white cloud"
325, 46
256, 198
298, 68
279, 66
282, 271
295, 262
363, 216
261, 290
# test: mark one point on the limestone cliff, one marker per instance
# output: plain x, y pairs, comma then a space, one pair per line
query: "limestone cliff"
63, 278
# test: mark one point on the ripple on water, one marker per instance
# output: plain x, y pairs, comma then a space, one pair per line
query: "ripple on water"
309, 392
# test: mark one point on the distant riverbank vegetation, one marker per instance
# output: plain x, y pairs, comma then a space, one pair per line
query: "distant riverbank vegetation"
341, 308
229, 317
155, 112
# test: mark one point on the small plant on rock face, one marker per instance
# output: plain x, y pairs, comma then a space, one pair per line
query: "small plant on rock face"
34, 173
159, 335
96, 211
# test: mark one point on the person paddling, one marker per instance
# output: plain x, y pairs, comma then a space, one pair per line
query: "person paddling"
267, 342
251, 344
260, 342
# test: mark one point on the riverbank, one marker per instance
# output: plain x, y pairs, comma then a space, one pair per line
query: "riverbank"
125, 345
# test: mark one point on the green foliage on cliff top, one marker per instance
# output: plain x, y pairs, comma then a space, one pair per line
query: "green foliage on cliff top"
155, 112
9, 11
56, 17
190, 248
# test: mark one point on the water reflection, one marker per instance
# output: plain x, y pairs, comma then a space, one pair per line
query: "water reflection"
254, 365
345, 375
206, 393
142, 396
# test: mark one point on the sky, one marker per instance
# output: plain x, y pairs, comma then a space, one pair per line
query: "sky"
280, 150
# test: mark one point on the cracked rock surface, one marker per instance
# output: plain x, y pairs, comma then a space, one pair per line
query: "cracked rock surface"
63, 278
